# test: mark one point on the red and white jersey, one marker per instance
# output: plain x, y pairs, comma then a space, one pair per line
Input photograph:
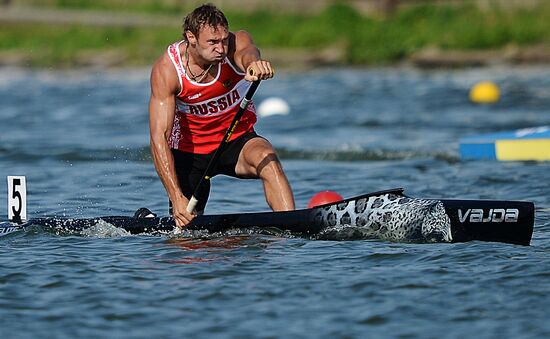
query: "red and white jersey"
204, 111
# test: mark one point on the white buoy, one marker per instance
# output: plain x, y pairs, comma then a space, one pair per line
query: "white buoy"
273, 106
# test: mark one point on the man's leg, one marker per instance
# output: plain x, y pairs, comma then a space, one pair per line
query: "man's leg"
258, 159
189, 170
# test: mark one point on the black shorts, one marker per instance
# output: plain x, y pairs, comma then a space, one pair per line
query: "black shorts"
190, 167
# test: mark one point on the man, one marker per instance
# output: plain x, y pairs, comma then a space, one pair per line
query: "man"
196, 88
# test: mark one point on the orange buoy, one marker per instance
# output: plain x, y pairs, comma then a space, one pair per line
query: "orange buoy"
325, 197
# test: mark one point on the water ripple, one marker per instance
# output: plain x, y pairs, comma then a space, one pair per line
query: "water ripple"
84, 149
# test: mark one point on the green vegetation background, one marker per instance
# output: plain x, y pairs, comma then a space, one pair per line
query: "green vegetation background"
365, 40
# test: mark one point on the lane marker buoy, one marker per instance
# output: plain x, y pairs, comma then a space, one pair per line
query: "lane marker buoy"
324, 197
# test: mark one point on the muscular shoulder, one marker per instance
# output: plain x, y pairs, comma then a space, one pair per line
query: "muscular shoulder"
240, 42
243, 39
164, 76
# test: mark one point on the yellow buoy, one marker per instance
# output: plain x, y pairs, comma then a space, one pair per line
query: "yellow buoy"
485, 92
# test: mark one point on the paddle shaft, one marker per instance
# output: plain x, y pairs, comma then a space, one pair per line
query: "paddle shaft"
223, 144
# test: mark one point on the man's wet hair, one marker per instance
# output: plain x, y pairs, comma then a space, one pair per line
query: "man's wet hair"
205, 15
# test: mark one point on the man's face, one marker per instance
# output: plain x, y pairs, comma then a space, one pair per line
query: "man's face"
212, 43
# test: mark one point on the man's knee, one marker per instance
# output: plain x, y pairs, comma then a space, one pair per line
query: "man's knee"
269, 164
258, 159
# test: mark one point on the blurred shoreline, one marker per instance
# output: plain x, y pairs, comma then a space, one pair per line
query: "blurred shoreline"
299, 58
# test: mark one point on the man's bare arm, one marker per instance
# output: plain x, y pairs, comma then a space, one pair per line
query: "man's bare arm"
247, 57
164, 84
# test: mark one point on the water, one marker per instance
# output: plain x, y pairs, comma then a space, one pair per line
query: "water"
81, 138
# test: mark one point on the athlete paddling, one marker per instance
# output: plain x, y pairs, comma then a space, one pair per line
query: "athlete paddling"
196, 88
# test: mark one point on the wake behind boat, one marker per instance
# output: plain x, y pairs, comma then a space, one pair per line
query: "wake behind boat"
387, 215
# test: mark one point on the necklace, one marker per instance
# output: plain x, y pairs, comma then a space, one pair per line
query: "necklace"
201, 75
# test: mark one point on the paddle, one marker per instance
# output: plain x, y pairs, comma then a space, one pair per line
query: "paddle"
207, 173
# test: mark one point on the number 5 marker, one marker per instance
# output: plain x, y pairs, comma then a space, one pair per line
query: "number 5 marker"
17, 199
